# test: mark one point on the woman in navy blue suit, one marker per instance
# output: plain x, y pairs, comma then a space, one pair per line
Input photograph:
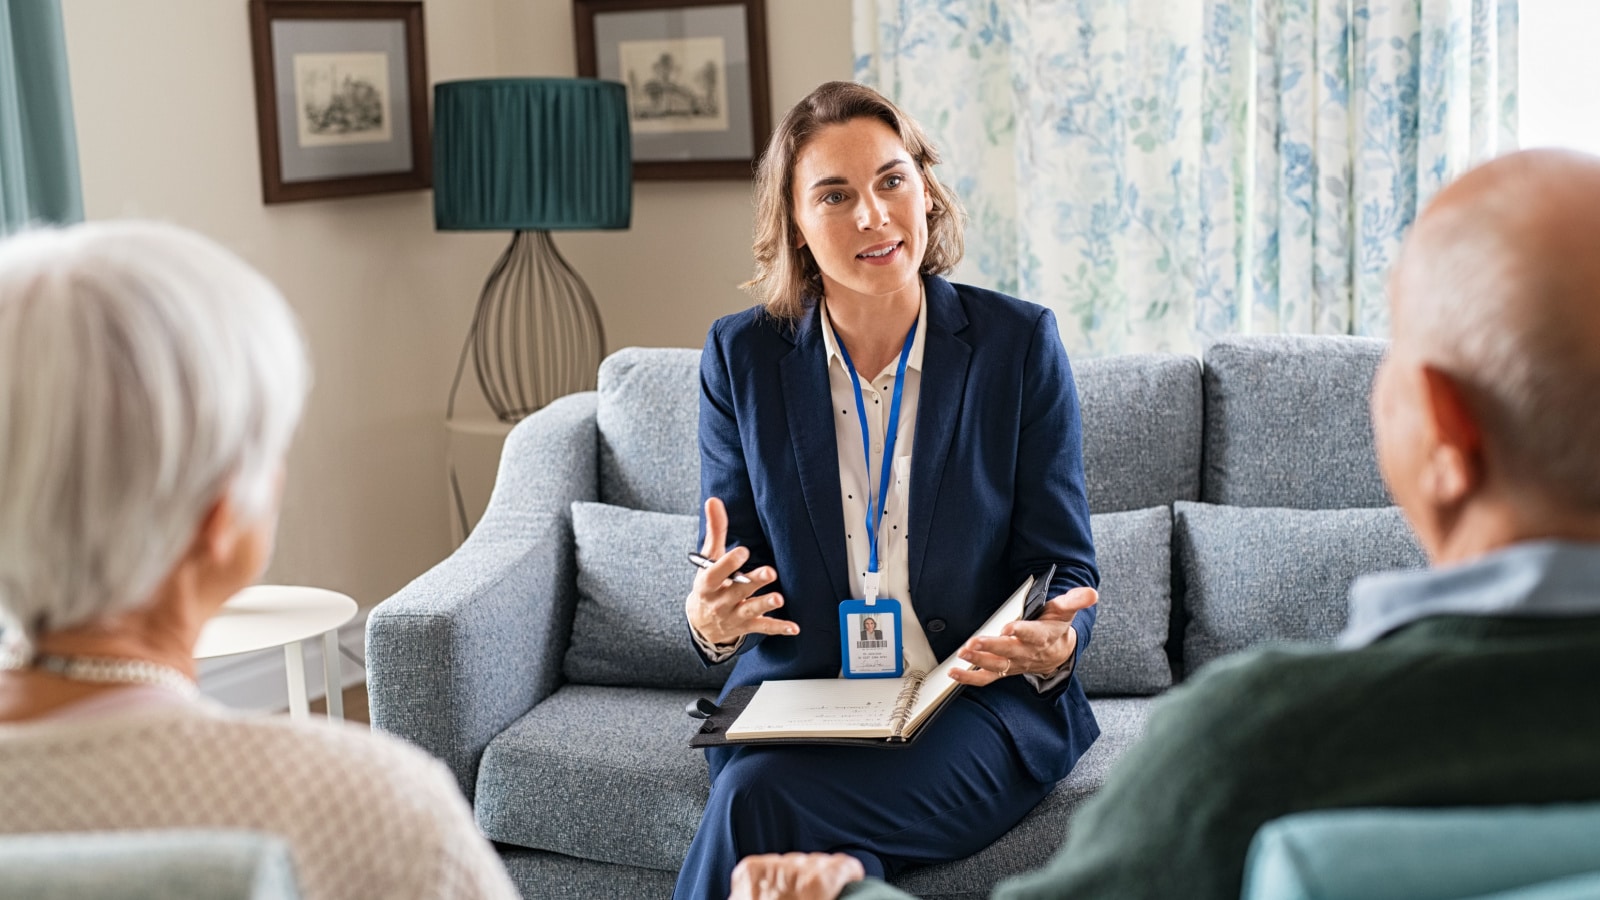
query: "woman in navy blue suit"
873, 431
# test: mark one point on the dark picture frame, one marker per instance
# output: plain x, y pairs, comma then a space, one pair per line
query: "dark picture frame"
696, 73
341, 97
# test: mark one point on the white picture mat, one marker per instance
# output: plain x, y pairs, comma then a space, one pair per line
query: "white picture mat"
327, 84
675, 85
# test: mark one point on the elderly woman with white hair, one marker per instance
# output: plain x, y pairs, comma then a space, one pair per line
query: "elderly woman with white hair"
150, 383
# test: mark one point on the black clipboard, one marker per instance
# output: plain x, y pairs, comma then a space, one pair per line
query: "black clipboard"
718, 718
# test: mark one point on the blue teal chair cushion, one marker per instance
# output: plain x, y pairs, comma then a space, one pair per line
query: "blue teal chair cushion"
146, 865
1509, 853
1574, 887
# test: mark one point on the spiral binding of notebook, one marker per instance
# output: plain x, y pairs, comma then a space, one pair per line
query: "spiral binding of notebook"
904, 702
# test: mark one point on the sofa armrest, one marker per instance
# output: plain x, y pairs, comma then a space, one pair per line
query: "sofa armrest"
475, 642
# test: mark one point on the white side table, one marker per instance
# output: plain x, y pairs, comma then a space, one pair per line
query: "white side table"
273, 615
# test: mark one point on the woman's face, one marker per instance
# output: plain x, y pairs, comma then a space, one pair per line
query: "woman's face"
862, 207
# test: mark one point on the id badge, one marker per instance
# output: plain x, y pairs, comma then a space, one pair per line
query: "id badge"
869, 637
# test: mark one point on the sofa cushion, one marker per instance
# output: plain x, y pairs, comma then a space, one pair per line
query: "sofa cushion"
606, 774
649, 421
1141, 430
628, 627
632, 578
1256, 574
556, 876
1128, 654
601, 773
1287, 422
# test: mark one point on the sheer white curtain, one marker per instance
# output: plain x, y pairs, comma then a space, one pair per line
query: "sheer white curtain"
1158, 172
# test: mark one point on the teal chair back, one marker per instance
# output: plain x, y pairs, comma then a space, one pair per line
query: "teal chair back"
146, 865
1505, 853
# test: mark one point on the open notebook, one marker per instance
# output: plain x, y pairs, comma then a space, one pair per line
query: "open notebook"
849, 709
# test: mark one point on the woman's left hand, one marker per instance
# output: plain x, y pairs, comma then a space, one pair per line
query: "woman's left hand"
1040, 646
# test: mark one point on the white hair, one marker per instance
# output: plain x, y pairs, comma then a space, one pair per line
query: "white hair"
145, 373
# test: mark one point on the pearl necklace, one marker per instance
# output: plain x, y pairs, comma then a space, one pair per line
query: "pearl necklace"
115, 670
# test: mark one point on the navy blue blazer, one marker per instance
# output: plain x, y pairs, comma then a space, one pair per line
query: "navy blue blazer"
997, 491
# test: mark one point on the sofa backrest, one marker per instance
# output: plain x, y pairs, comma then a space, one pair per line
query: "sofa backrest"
1142, 425
1141, 430
1287, 422
1273, 434
649, 418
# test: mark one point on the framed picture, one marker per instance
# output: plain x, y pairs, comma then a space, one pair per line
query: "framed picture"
341, 97
696, 73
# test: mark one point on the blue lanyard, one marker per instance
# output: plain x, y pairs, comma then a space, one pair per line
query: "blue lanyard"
888, 442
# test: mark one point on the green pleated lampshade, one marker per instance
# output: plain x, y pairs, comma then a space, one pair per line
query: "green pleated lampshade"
531, 154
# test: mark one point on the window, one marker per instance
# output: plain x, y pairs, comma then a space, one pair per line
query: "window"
1559, 74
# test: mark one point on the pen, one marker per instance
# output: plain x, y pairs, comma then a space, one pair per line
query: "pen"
706, 563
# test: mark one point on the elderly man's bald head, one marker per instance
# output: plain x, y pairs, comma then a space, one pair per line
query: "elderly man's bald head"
1499, 287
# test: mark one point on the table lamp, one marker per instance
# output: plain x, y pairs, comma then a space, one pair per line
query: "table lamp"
531, 156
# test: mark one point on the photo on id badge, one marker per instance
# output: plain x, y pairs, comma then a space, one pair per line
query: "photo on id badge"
871, 638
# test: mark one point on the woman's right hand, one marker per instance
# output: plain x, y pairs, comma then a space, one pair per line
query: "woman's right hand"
720, 609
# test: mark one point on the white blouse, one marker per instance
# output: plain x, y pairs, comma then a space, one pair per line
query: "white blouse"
858, 482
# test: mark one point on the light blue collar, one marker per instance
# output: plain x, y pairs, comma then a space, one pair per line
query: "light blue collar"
1537, 578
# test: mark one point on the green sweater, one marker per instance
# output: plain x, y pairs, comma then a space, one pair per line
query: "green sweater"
1448, 711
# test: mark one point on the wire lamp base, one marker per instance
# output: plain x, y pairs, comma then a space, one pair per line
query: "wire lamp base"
536, 334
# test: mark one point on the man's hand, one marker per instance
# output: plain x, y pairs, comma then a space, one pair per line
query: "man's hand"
794, 876
1041, 646
721, 609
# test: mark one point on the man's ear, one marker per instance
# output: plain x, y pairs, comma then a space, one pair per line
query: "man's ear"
1455, 467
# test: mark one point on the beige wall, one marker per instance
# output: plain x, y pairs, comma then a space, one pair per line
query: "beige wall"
661, 283
166, 128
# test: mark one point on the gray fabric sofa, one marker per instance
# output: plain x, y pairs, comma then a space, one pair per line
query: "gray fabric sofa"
546, 662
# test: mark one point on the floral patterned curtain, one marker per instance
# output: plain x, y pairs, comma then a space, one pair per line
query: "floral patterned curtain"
1161, 172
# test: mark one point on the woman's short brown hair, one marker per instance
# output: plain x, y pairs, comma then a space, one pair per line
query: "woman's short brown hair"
787, 279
